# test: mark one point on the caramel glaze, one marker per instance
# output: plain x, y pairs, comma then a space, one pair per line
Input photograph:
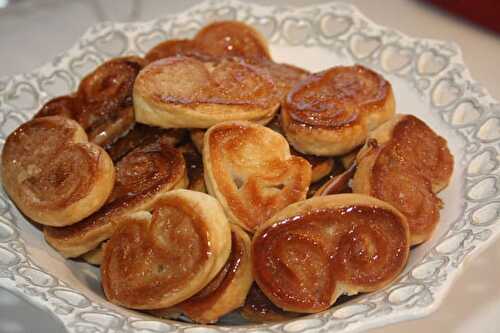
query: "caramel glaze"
404, 171
256, 179
176, 47
299, 262
197, 306
144, 261
226, 82
102, 104
142, 174
335, 97
258, 308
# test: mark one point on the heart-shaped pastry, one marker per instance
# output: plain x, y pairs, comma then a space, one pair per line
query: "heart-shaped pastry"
141, 176
232, 39
53, 174
228, 289
331, 112
103, 103
405, 163
313, 251
185, 92
163, 256
249, 168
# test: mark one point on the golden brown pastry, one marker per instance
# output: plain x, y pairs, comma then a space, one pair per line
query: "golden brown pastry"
249, 169
231, 39
284, 75
163, 256
103, 103
141, 176
184, 92
229, 288
313, 251
194, 167
258, 308
94, 257
53, 174
404, 163
331, 112
173, 48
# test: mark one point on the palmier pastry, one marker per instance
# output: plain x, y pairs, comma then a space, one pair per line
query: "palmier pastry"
103, 103
338, 183
174, 48
284, 75
94, 257
258, 308
53, 174
229, 289
163, 256
313, 251
141, 135
184, 92
331, 112
249, 168
404, 163
231, 39
141, 176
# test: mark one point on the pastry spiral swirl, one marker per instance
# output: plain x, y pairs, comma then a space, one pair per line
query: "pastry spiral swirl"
331, 112
404, 163
53, 174
162, 256
316, 250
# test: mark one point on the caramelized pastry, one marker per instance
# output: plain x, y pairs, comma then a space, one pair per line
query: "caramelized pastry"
258, 308
94, 257
162, 256
53, 174
349, 159
404, 163
229, 289
284, 75
331, 112
249, 168
141, 176
194, 166
232, 39
174, 48
313, 251
103, 103
184, 92
141, 135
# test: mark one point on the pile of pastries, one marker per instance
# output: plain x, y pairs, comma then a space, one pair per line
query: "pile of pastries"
205, 177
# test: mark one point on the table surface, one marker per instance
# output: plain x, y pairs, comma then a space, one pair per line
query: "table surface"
26, 26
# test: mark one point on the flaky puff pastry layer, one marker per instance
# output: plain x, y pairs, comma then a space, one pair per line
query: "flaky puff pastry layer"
163, 256
53, 174
142, 175
313, 251
404, 162
184, 92
226, 292
331, 112
249, 169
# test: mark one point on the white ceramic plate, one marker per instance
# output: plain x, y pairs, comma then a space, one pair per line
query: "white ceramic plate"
429, 79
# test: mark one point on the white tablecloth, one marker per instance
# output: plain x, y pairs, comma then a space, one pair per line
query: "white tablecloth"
33, 31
